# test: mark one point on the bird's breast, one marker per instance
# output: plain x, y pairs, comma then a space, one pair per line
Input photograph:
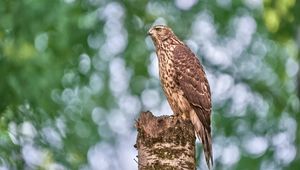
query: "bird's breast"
170, 86
167, 71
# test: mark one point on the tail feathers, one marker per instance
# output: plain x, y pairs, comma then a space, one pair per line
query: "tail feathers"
205, 136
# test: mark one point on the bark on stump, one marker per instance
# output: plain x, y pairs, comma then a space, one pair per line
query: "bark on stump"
165, 142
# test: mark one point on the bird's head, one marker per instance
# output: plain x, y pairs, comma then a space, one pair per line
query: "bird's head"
160, 33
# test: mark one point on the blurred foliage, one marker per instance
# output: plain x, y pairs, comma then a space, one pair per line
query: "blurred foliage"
75, 74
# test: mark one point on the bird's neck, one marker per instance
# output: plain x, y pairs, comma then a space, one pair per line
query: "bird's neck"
165, 43
165, 49
171, 41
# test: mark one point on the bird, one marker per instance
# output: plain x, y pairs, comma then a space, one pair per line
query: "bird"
184, 83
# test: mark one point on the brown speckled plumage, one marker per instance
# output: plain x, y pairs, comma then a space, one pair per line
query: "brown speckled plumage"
184, 83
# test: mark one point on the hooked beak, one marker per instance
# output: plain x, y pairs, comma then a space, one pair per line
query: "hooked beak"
150, 32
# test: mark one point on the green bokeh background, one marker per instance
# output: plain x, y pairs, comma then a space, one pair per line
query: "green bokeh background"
74, 75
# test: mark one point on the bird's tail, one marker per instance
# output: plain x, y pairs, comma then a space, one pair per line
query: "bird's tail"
205, 135
207, 148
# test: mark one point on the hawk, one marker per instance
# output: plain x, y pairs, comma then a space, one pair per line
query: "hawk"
184, 83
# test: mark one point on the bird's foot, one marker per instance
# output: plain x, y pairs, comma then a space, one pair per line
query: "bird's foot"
175, 115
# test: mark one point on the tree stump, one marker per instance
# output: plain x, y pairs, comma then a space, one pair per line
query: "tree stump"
165, 142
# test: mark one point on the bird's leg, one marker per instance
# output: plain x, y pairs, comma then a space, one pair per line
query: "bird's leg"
184, 116
175, 115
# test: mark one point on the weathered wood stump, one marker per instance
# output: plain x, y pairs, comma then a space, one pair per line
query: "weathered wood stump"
165, 142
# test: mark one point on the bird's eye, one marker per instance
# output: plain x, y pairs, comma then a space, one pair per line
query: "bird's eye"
158, 29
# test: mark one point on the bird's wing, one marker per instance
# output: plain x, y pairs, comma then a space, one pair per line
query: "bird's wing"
192, 81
